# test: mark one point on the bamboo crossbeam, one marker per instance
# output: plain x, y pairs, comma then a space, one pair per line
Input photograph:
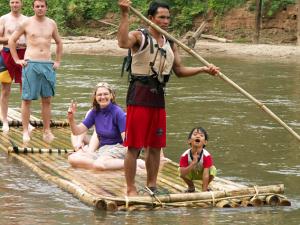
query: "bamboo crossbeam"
25, 150
276, 189
220, 74
37, 123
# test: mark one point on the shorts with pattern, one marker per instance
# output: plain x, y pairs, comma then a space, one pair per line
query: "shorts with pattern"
39, 79
15, 70
4, 74
117, 151
198, 174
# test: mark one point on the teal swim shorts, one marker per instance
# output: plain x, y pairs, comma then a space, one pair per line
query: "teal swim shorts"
38, 79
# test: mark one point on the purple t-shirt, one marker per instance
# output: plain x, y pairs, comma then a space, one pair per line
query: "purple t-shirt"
109, 124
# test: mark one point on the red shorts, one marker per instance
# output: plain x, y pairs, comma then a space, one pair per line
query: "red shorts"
14, 69
145, 127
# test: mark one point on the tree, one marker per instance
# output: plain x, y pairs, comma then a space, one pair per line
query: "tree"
258, 20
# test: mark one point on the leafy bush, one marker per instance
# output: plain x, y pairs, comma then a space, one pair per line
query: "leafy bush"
273, 6
70, 14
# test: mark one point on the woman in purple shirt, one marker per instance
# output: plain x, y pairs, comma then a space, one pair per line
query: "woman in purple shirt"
109, 121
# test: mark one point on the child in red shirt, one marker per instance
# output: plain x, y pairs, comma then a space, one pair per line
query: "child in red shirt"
196, 163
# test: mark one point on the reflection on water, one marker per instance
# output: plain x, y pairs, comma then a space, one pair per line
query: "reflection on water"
247, 145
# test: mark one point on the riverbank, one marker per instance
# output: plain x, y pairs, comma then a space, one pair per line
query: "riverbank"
94, 46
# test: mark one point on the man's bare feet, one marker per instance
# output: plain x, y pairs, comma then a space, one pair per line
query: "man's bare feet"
132, 192
30, 129
48, 136
5, 128
26, 137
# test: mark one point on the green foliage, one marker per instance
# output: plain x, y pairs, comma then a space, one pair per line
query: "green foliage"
221, 6
184, 12
273, 6
71, 14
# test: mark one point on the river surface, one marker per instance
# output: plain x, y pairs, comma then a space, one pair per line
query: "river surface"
246, 144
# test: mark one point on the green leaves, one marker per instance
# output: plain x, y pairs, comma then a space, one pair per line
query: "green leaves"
70, 14
273, 6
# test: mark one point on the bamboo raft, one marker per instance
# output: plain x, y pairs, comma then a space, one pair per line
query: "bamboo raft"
105, 189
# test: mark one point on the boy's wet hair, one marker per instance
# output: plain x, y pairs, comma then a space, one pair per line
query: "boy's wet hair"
198, 129
155, 5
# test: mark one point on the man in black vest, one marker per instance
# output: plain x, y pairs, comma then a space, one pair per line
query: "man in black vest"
153, 59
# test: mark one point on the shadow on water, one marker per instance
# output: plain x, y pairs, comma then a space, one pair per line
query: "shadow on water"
246, 144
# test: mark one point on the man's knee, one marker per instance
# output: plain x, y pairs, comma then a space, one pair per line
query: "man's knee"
5, 91
46, 100
133, 152
100, 165
183, 177
26, 102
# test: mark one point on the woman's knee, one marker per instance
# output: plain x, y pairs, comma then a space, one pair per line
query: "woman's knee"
99, 165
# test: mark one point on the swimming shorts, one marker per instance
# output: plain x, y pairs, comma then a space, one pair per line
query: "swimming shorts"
15, 70
39, 79
116, 151
198, 174
145, 127
4, 74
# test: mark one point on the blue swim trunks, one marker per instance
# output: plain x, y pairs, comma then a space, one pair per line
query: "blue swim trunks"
38, 79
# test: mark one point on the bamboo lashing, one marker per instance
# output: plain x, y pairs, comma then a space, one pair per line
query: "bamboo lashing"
220, 74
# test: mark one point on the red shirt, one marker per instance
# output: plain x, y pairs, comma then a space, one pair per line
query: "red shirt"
205, 160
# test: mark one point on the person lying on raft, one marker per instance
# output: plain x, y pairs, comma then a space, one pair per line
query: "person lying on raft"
196, 163
109, 121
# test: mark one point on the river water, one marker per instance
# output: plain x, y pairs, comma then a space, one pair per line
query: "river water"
246, 144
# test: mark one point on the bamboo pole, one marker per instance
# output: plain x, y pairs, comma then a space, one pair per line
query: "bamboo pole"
220, 74
276, 189
273, 200
37, 123
25, 150
70, 187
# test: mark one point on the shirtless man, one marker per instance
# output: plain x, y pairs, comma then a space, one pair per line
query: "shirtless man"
38, 72
8, 24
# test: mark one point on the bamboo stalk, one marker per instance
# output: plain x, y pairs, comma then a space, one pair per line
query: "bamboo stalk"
37, 123
284, 202
220, 74
217, 194
25, 150
273, 200
70, 187
90, 179
82, 183
36, 140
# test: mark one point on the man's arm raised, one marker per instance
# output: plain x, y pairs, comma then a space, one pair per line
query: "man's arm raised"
126, 39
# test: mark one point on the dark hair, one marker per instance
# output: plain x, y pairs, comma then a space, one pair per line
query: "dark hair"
39, 1
155, 5
198, 129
